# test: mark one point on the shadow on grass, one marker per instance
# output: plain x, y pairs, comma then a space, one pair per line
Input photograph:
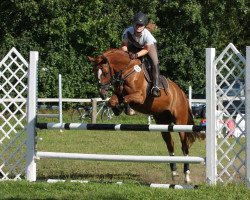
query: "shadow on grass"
100, 178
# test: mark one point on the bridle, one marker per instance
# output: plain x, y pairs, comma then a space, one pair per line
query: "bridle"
108, 84
115, 78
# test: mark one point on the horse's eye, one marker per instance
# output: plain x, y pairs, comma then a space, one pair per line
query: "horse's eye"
105, 71
105, 74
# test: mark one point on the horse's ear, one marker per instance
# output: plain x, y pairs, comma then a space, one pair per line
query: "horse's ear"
91, 59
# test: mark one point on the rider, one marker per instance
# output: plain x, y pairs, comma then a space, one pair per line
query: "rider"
138, 42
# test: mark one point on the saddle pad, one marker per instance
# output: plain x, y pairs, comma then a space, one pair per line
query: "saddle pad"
163, 83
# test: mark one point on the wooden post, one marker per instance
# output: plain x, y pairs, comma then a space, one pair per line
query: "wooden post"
94, 107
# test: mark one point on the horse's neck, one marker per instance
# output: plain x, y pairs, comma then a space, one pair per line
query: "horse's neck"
120, 60
130, 65
120, 63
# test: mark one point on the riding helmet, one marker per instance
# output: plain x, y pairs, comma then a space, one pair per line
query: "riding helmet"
140, 18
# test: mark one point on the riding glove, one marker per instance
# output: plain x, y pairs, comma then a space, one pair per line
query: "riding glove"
133, 55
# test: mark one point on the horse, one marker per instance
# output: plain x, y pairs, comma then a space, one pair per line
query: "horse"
115, 68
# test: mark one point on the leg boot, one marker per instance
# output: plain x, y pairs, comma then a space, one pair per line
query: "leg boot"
155, 91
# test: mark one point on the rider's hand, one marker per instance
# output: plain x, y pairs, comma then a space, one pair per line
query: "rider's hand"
133, 55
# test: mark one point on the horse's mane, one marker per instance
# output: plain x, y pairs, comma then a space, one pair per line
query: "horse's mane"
117, 51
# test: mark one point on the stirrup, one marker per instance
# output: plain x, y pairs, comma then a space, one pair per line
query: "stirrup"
155, 91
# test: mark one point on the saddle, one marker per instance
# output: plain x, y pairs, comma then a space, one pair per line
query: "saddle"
163, 82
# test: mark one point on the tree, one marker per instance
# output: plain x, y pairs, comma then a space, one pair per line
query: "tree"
65, 32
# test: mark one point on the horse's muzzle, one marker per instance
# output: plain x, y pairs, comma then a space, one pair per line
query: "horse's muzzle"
103, 93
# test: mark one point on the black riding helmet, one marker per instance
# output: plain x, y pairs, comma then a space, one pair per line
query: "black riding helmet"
140, 18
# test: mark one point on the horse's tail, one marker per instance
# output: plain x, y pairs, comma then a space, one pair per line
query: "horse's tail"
192, 136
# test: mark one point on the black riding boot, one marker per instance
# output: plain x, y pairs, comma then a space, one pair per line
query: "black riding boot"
155, 91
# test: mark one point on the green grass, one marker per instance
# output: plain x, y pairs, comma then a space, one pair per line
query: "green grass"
91, 191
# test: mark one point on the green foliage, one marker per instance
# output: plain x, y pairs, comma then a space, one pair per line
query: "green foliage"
188, 27
65, 32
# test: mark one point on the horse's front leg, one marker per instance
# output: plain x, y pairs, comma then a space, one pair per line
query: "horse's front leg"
132, 98
114, 104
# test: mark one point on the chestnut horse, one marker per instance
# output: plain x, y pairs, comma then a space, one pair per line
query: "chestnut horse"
114, 67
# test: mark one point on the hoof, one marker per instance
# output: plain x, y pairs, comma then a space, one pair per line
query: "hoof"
117, 110
129, 111
175, 176
187, 177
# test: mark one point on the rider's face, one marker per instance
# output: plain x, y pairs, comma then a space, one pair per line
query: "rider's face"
139, 28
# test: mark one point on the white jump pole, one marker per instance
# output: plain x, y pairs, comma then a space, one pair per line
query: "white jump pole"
247, 114
190, 96
211, 142
31, 117
48, 115
120, 158
122, 127
172, 186
60, 100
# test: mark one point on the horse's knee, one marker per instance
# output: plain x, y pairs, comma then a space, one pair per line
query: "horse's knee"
127, 99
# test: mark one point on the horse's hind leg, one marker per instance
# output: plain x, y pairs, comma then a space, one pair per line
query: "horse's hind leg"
185, 151
166, 118
186, 141
170, 146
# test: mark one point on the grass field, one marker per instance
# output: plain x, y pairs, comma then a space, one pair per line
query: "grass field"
103, 176
96, 191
